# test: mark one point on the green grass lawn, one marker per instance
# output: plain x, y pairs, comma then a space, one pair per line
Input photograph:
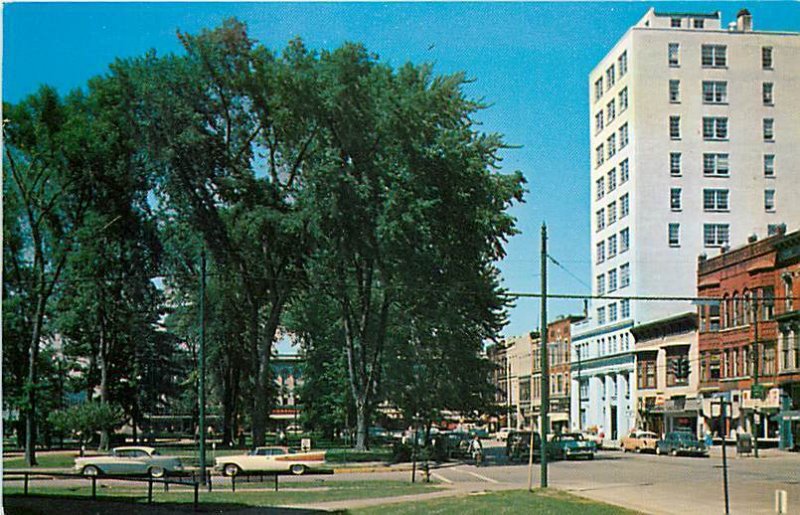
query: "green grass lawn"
246, 494
45, 461
514, 501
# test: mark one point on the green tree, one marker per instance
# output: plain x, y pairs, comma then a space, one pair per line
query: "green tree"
407, 207
86, 419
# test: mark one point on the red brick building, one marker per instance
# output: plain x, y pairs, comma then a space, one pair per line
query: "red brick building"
759, 288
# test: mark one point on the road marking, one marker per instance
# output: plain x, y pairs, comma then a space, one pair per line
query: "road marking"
441, 478
479, 476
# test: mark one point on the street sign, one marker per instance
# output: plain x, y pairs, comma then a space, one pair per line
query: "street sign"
757, 391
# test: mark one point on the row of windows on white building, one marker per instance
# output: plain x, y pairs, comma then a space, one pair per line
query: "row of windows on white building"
715, 92
715, 128
604, 345
621, 279
610, 212
608, 248
715, 164
717, 200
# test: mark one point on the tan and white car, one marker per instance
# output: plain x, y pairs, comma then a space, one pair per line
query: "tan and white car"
640, 441
129, 461
271, 459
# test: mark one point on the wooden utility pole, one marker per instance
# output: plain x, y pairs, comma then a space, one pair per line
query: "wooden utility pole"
201, 359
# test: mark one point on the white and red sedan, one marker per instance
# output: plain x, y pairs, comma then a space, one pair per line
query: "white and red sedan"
271, 459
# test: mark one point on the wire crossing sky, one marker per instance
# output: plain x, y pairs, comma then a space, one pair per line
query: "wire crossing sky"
529, 62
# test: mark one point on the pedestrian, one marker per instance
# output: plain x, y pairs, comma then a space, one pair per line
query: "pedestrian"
476, 450
709, 439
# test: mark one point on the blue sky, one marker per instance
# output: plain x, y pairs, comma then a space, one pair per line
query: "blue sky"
530, 62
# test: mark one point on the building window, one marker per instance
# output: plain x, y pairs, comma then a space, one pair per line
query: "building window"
612, 280
646, 371
715, 165
612, 245
611, 143
598, 89
674, 235
601, 284
769, 165
715, 92
673, 54
698, 23
612, 180
624, 240
675, 199
766, 57
623, 100
600, 157
674, 163
767, 93
674, 91
625, 275
624, 205
611, 111
624, 172
612, 213
715, 128
612, 316
599, 185
675, 23
769, 129
610, 78
714, 56
622, 62
601, 315
715, 200
769, 201
623, 136
598, 122
601, 219
675, 127
601, 251
625, 308
716, 235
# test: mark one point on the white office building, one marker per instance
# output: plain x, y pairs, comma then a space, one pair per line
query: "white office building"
695, 134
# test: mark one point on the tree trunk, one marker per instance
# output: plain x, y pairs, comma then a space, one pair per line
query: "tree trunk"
103, 362
33, 357
362, 425
261, 402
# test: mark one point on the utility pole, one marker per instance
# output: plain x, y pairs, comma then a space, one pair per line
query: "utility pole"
201, 360
755, 389
580, 407
722, 403
545, 366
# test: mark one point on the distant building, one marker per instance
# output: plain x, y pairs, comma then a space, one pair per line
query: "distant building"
559, 343
759, 285
667, 375
287, 373
694, 138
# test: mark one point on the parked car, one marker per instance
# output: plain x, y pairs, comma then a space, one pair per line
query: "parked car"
639, 441
681, 442
502, 434
518, 447
595, 437
129, 461
572, 445
271, 459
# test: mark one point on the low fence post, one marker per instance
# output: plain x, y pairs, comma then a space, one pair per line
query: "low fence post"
94, 487
149, 490
26, 483
233, 483
276, 482
196, 495
210, 478
166, 486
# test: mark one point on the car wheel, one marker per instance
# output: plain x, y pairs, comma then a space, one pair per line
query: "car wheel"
658, 451
157, 472
231, 469
591, 456
674, 452
297, 469
90, 470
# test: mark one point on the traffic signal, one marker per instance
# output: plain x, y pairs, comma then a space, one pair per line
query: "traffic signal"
680, 368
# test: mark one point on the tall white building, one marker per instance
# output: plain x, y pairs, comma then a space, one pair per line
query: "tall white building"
695, 131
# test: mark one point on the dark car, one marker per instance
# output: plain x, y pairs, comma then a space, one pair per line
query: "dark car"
518, 447
681, 442
572, 445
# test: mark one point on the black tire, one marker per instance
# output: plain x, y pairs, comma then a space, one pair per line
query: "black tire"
658, 451
297, 469
231, 469
91, 470
591, 456
157, 472
673, 452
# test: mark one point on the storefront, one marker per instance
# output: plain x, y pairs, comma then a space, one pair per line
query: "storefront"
677, 414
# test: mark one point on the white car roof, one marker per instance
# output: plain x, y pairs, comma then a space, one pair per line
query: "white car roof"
148, 450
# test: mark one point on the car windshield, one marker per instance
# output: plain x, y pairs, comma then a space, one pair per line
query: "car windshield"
571, 438
684, 436
647, 435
